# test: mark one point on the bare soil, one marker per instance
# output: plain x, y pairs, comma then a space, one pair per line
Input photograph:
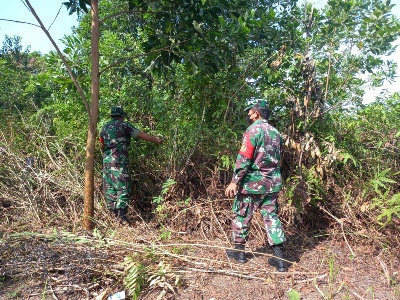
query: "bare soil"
324, 265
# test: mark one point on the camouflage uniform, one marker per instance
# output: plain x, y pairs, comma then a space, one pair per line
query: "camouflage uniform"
258, 177
116, 136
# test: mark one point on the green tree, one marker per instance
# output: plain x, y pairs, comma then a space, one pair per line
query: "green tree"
317, 75
19, 68
200, 34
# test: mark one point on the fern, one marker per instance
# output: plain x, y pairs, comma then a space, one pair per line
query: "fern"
389, 207
346, 156
159, 277
381, 180
135, 276
165, 188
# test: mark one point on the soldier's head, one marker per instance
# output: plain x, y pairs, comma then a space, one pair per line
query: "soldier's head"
117, 112
256, 109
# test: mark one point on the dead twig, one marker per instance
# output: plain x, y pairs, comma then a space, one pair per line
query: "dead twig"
385, 271
341, 226
219, 223
224, 272
311, 279
357, 295
52, 292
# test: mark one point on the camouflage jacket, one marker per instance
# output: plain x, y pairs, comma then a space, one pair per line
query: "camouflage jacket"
257, 169
116, 136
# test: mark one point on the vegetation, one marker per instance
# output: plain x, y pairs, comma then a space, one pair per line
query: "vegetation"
183, 70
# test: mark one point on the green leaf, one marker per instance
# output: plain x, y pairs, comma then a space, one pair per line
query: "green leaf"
293, 295
222, 21
346, 156
197, 27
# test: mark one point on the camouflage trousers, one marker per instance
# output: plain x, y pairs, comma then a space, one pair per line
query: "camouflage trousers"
244, 207
116, 186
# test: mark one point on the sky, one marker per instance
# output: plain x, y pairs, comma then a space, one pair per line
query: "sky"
49, 11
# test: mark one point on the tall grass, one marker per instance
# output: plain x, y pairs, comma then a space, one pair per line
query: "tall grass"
41, 180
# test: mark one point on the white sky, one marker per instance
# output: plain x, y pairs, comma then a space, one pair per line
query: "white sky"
34, 36
48, 10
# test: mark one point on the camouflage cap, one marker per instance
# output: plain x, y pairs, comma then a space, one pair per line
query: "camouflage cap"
259, 105
255, 103
117, 111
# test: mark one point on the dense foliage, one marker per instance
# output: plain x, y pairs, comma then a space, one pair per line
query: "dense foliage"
184, 69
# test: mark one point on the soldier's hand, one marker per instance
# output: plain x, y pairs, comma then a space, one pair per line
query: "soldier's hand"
231, 190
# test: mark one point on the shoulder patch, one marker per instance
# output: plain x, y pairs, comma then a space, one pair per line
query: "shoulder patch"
247, 148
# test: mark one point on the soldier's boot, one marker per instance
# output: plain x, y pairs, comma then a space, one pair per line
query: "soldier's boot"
121, 214
237, 253
276, 261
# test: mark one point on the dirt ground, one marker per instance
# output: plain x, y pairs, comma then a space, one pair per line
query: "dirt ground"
327, 271
325, 266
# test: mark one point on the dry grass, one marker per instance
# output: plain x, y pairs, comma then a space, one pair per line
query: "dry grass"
62, 261
43, 189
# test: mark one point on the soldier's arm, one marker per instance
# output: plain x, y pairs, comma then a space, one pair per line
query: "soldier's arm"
242, 165
144, 136
136, 133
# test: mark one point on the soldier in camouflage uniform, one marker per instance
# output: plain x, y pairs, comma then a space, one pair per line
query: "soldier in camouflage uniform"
115, 137
256, 183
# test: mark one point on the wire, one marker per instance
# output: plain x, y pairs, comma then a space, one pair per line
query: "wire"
19, 22
55, 17
25, 5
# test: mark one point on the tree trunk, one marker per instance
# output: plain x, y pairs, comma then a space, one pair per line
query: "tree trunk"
88, 210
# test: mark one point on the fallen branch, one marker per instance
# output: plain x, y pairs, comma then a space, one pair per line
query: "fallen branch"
341, 226
224, 272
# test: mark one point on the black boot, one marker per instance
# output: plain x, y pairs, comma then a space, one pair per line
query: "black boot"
122, 215
276, 262
239, 256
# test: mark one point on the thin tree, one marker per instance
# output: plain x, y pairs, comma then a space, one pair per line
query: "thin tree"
88, 211
92, 108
